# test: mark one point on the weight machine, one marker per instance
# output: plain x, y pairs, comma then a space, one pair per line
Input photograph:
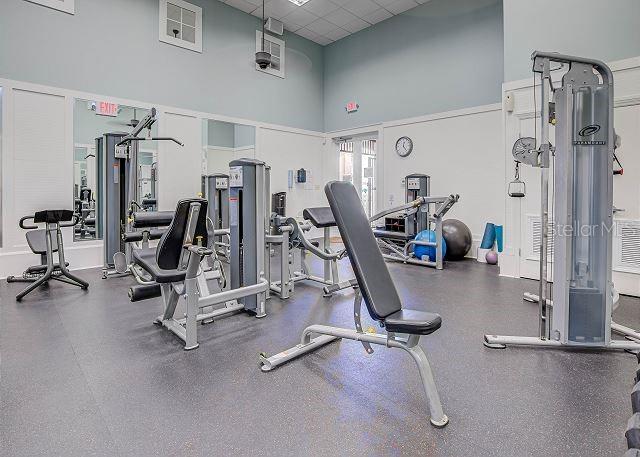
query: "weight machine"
579, 315
118, 155
396, 238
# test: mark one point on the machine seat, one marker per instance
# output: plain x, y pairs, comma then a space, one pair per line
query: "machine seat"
400, 236
412, 322
320, 217
146, 258
37, 240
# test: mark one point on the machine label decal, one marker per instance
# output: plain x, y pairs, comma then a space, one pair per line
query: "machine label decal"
235, 176
589, 130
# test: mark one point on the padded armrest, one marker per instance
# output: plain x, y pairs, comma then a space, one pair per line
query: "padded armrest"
146, 219
320, 217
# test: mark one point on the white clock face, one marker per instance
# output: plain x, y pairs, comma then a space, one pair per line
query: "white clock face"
404, 146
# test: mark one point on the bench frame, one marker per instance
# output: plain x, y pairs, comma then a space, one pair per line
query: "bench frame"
326, 334
201, 305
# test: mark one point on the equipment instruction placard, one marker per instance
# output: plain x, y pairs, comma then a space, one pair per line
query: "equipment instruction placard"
235, 177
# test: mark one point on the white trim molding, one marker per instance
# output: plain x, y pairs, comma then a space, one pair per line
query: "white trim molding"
66, 6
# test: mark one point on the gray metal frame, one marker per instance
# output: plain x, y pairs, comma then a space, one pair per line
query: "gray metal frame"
392, 251
580, 313
118, 153
201, 304
326, 334
330, 279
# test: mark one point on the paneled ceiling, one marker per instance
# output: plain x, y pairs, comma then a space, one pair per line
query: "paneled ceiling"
326, 21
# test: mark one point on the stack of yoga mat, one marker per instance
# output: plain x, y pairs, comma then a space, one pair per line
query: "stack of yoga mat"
492, 237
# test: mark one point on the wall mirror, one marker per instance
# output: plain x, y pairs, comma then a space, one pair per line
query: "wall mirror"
224, 142
88, 169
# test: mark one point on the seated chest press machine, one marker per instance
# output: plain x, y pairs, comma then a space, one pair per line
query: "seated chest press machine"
292, 236
176, 264
375, 286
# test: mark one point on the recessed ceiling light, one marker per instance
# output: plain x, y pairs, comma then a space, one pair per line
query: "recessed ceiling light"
299, 2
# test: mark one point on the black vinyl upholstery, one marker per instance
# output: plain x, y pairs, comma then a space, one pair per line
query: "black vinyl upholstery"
52, 216
37, 240
146, 219
377, 287
170, 246
131, 237
320, 217
375, 282
415, 322
146, 258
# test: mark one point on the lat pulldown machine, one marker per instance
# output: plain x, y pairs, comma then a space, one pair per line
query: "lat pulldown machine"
582, 111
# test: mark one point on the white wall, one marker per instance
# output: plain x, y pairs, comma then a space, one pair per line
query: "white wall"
285, 151
459, 150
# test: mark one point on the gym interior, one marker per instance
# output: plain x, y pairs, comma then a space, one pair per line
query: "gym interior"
320, 227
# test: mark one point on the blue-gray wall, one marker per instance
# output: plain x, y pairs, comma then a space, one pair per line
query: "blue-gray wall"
605, 30
443, 55
111, 47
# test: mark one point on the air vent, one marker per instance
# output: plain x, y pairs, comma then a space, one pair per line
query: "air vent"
535, 236
626, 246
274, 26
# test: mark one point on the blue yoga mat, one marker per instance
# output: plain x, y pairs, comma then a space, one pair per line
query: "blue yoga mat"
489, 236
499, 240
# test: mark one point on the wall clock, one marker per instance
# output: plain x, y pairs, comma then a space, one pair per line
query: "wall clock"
404, 146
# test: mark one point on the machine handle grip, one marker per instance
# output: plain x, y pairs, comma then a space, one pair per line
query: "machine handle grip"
26, 227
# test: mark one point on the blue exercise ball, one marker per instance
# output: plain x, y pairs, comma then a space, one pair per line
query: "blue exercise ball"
429, 251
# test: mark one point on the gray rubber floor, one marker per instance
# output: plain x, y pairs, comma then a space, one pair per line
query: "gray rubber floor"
86, 373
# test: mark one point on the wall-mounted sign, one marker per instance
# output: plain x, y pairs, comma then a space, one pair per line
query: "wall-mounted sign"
352, 107
106, 109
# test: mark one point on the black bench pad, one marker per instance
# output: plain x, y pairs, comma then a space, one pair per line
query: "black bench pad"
37, 241
412, 322
154, 234
320, 217
145, 219
146, 258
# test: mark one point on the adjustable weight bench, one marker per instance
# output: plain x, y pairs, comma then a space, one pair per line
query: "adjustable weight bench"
376, 287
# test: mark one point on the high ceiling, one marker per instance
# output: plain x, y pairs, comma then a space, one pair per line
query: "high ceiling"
326, 21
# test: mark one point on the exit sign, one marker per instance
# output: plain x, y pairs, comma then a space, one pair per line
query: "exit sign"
107, 109
352, 107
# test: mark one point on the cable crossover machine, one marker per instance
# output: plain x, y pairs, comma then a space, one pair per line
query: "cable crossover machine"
578, 315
